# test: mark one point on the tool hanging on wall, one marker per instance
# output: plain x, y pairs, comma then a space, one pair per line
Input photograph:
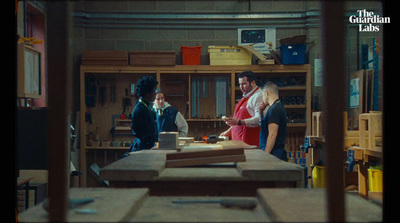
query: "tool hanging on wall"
90, 91
112, 90
101, 83
221, 85
196, 97
126, 102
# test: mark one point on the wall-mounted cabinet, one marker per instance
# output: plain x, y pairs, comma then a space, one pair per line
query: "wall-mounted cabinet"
28, 72
202, 93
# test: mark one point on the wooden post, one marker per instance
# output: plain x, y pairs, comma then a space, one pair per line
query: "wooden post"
59, 69
333, 43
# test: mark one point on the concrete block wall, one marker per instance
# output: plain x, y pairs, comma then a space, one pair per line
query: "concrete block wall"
159, 39
149, 39
171, 39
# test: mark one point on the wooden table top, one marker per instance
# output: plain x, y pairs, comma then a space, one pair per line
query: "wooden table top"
110, 205
310, 205
135, 205
149, 165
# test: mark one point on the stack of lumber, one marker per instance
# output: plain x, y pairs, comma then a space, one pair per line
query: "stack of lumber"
105, 57
202, 157
146, 58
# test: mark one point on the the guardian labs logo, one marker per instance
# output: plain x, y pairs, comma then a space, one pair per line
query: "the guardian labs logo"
367, 21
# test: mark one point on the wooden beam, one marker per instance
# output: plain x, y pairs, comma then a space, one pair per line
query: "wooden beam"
59, 69
333, 43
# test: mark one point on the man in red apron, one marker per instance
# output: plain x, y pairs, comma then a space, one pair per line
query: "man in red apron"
245, 123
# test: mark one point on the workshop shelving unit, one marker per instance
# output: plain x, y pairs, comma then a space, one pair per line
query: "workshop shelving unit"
178, 84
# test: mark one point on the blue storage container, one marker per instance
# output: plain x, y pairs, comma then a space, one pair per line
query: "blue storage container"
293, 54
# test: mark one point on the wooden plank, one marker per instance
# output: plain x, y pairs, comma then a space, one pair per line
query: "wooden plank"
205, 160
204, 153
236, 144
369, 83
305, 205
203, 146
273, 171
60, 97
93, 54
161, 209
111, 205
105, 57
146, 58
143, 165
333, 91
260, 165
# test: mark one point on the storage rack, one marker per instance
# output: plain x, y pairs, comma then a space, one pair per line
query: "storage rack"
375, 66
180, 77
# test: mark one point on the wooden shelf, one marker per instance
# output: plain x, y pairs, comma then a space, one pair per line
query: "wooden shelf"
123, 128
124, 120
205, 120
294, 88
297, 125
295, 106
106, 147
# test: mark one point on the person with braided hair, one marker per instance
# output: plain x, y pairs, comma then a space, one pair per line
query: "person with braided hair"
144, 126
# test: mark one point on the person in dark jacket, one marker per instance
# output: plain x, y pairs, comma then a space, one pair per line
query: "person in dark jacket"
144, 126
168, 117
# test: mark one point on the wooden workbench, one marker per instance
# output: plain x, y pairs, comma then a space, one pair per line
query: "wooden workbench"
273, 205
310, 205
363, 156
147, 169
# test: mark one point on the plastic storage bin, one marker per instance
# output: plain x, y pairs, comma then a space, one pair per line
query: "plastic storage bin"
191, 55
229, 55
375, 179
318, 177
293, 54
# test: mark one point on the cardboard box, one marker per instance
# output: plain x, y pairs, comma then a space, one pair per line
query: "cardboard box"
229, 55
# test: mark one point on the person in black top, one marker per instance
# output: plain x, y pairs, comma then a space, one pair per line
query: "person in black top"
273, 125
144, 126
